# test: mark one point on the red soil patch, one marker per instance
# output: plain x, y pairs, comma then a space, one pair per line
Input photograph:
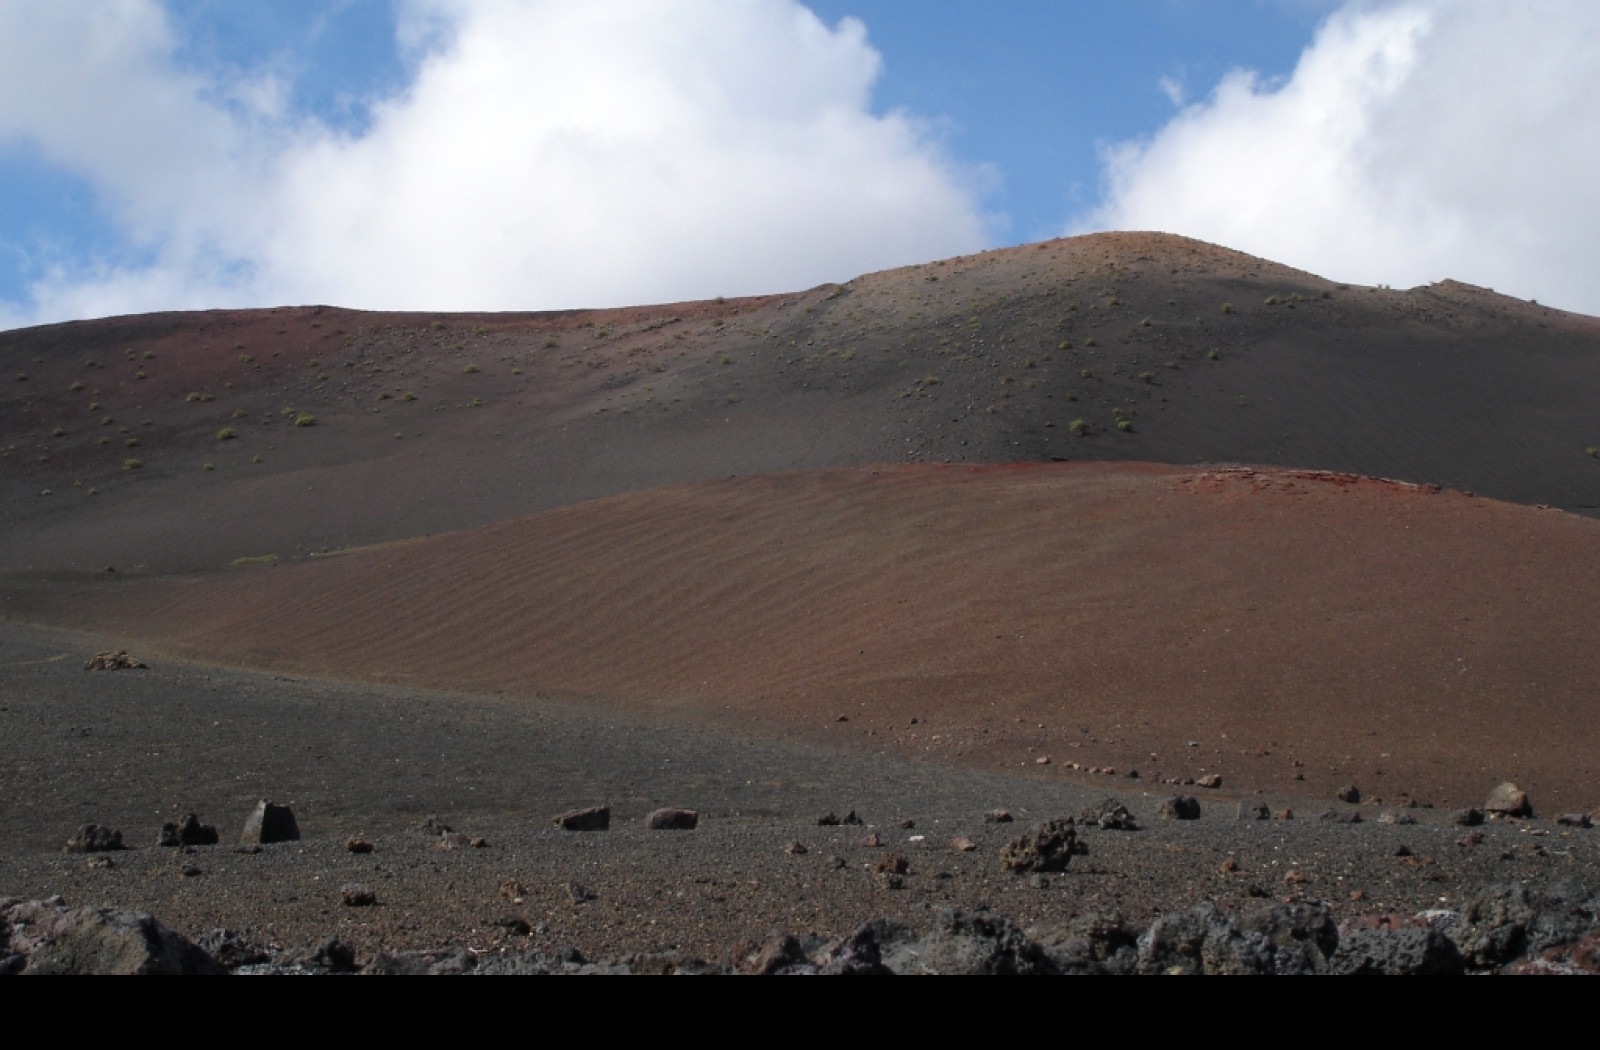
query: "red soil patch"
1291, 624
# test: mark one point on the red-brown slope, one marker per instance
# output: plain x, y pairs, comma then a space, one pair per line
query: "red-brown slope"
1288, 624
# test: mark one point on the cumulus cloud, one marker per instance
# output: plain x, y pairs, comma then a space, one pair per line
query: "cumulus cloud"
1414, 141
545, 154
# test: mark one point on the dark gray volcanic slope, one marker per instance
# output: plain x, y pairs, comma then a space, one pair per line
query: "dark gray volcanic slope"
1158, 348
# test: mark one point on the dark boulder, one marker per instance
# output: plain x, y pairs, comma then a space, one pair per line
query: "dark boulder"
270, 822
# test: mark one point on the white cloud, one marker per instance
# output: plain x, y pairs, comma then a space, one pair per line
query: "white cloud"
546, 154
1415, 140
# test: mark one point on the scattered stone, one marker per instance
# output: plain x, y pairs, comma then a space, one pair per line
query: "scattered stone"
1179, 807
357, 895
1508, 800
1472, 838
1467, 818
872, 841
187, 832
594, 818
189, 871
1285, 814
1210, 780
353, 844
1228, 866
672, 820
795, 849
454, 840
46, 937
1109, 814
247, 849
1296, 877
1341, 816
1048, 847
479, 842
1575, 820
513, 891
891, 863
998, 816
1253, 811
1349, 794
962, 844
836, 862
1389, 816
829, 820
94, 838
579, 893
433, 827
114, 660
907, 824
100, 864
268, 823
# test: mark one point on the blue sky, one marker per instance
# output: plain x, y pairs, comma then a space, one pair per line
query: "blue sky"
529, 154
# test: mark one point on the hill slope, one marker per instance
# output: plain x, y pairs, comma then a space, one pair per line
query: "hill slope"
1303, 630
1166, 349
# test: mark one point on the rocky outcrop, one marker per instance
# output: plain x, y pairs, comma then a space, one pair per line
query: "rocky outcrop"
47, 937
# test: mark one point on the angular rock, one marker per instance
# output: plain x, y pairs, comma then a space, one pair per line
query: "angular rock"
672, 820
1507, 921
453, 840
1210, 780
1179, 807
1581, 958
1387, 945
1253, 811
1349, 794
356, 844
1508, 800
892, 864
187, 832
593, 818
1467, 818
962, 943
50, 938
1048, 847
1288, 939
268, 823
231, 949
1110, 815
1575, 820
94, 838
997, 816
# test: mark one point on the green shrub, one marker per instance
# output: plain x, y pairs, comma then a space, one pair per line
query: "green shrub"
1147, 377
471, 369
226, 434
1079, 427
1592, 451
305, 419
131, 464
1227, 308
1213, 354
1090, 341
